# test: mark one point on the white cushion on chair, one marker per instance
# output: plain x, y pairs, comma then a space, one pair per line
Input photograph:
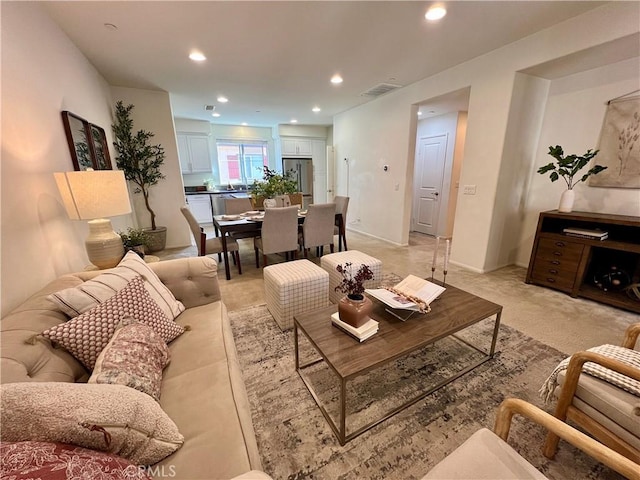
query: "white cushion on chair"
484, 456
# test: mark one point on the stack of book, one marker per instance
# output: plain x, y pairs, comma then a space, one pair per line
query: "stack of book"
584, 233
361, 333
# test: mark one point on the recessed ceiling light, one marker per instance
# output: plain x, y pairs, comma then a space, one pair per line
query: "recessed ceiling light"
293, 120
223, 99
419, 113
244, 124
215, 114
315, 109
435, 13
336, 79
197, 56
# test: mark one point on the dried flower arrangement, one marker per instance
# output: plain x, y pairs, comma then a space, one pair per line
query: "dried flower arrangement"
353, 285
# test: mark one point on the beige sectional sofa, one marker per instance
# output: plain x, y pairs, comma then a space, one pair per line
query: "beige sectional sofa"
202, 387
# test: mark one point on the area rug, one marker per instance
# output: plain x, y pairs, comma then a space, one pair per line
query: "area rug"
296, 442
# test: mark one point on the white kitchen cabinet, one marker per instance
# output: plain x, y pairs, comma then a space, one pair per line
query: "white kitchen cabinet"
194, 153
298, 147
200, 207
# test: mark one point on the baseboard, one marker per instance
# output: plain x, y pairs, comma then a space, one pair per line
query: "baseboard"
377, 238
467, 267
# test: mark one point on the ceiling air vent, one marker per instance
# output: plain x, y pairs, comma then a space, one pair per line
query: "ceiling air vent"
209, 108
380, 89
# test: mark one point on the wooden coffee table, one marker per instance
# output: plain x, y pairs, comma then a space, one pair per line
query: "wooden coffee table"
453, 311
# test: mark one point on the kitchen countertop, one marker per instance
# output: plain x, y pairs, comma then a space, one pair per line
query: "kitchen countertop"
217, 192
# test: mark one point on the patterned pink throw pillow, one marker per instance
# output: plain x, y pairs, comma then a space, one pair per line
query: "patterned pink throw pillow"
135, 357
59, 461
86, 335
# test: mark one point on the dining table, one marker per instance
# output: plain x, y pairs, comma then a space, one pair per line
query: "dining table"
224, 225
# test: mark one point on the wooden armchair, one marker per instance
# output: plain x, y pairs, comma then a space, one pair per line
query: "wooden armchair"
486, 455
605, 411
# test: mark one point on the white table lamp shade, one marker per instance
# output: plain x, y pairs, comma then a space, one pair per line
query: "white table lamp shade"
91, 195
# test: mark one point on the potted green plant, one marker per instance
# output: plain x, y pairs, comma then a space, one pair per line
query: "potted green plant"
273, 184
567, 167
141, 164
135, 239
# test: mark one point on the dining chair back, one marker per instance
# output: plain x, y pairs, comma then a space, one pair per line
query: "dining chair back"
342, 203
235, 206
317, 229
279, 233
209, 246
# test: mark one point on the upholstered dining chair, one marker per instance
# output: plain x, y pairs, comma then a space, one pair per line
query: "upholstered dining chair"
209, 246
235, 206
279, 233
342, 203
317, 229
606, 411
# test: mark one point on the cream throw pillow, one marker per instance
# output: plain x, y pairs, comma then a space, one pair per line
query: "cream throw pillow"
77, 300
86, 335
109, 418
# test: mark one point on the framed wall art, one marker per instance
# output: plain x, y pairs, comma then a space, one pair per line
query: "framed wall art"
620, 145
87, 143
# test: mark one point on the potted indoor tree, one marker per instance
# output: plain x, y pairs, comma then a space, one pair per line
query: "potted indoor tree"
273, 184
567, 167
141, 164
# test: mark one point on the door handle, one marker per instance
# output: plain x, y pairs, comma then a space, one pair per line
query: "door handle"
436, 193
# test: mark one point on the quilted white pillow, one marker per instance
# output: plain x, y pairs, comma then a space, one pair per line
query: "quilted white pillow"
76, 300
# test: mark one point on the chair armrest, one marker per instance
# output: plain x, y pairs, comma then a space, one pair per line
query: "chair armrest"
631, 336
203, 243
591, 447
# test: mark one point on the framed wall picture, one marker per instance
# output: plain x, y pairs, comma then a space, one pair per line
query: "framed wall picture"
87, 143
619, 145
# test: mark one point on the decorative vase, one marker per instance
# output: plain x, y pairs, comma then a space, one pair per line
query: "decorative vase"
156, 239
566, 201
354, 310
270, 203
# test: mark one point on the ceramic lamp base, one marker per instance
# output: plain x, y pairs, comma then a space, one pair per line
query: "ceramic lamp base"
104, 246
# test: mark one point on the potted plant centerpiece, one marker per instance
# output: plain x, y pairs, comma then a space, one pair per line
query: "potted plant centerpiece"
141, 164
273, 184
135, 239
567, 167
354, 308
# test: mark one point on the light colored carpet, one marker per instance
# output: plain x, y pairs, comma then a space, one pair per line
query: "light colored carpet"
296, 442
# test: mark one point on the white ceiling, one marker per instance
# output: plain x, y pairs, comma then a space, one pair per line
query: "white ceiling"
273, 60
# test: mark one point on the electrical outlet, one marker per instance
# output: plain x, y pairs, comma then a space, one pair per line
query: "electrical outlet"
469, 190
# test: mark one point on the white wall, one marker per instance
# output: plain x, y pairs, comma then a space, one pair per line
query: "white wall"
573, 118
379, 132
43, 73
152, 112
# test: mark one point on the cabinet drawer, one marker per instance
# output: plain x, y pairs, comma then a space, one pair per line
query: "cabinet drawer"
556, 263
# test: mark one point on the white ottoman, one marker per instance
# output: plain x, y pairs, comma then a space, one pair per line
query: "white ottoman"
331, 261
294, 287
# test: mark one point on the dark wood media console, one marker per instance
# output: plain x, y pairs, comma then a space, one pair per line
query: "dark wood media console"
574, 265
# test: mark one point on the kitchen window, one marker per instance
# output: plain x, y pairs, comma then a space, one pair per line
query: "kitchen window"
241, 162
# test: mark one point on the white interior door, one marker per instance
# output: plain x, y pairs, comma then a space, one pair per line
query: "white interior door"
429, 171
330, 186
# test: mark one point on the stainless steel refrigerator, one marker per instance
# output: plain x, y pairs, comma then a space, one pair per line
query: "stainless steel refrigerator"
302, 171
